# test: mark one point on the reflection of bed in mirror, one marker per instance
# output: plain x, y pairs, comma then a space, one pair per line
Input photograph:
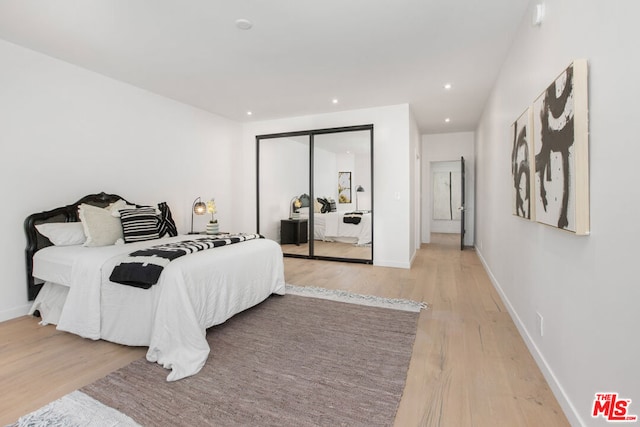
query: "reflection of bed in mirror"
343, 227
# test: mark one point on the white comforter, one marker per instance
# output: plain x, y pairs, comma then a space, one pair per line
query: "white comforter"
194, 293
331, 226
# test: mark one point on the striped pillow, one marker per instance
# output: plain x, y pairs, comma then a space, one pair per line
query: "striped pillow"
139, 224
167, 225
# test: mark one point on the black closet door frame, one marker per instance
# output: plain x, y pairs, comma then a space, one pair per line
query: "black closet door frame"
311, 134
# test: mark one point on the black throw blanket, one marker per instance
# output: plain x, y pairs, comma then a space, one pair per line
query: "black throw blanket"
142, 268
352, 218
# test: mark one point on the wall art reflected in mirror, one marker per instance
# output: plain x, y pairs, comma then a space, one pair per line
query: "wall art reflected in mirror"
344, 187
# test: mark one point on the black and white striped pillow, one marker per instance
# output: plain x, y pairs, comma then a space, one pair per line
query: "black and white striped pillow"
167, 225
140, 224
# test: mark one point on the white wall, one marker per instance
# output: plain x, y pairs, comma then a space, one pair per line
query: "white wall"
415, 177
362, 168
448, 147
66, 132
325, 179
586, 288
392, 227
280, 184
350, 153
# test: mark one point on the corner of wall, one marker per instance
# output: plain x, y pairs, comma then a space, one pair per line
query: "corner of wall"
14, 312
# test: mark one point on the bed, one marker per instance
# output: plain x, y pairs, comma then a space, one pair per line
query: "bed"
71, 287
331, 227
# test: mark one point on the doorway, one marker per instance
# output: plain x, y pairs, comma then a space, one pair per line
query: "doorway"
447, 199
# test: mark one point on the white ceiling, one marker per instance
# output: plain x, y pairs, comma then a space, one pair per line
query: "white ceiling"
299, 55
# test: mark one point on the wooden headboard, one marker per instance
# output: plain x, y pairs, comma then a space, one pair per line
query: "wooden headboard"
68, 213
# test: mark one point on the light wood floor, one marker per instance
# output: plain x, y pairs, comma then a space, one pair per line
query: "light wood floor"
470, 366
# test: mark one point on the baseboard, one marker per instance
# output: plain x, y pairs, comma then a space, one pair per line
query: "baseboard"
12, 313
393, 264
413, 258
563, 399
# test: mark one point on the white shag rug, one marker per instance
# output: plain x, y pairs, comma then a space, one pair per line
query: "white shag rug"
76, 409
352, 298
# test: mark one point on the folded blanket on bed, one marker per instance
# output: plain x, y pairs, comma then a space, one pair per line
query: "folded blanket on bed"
142, 268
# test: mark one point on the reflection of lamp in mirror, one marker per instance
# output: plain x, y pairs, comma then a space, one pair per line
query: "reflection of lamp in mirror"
198, 208
294, 205
359, 189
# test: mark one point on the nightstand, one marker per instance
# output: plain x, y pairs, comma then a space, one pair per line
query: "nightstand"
294, 231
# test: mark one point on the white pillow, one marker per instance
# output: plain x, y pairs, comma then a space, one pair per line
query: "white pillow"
115, 207
63, 233
100, 227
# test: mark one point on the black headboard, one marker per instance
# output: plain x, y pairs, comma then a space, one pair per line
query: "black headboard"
69, 213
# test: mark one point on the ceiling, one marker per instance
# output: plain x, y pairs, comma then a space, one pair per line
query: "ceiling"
297, 58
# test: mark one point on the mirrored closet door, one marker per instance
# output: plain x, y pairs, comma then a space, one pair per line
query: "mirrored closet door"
315, 192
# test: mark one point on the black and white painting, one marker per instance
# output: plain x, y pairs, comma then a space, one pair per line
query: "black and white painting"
560, 126
447, 198
522, 166
344, 187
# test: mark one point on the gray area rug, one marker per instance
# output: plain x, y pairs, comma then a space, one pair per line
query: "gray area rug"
290, 361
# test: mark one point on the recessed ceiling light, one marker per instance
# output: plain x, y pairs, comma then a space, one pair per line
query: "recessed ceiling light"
243, 24
334, 100
447, 120
447, 86
249, 113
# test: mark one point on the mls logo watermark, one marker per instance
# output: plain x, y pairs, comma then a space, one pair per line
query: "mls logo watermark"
611, 408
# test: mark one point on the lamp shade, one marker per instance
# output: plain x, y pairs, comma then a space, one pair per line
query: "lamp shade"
199, 208
359, 189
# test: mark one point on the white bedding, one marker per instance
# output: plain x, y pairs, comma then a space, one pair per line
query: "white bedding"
54, 263
331, 227
194, 293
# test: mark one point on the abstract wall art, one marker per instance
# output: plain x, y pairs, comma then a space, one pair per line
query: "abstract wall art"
561, 146
344, 187
522, 167
447, 187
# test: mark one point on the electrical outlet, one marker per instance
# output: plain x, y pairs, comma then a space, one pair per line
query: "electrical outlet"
540, 324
